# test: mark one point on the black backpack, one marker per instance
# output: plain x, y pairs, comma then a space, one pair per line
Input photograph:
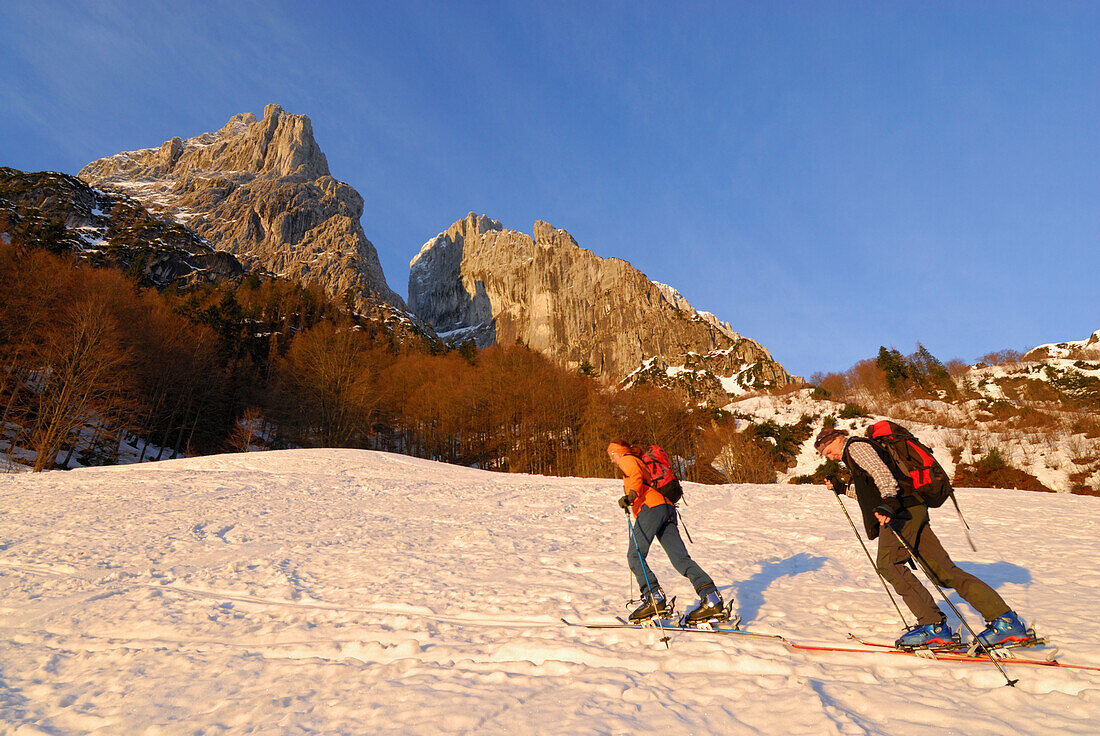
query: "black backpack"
924, 477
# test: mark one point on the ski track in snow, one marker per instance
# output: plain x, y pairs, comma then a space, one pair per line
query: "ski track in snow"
353, 592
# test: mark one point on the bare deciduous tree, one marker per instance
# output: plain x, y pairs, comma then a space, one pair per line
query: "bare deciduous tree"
78, 373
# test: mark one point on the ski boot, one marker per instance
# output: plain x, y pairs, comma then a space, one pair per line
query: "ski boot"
928, 636
653, 604
710, 607
1006, 629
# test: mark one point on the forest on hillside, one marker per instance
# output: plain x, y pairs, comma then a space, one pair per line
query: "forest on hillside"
91, 357
96, 358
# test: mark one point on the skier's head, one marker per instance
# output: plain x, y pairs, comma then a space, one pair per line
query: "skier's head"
830, 442
616, 449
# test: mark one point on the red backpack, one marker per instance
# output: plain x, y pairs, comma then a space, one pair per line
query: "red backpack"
926, 477
661, 477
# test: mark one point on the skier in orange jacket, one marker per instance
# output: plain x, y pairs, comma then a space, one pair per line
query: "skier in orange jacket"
656, 519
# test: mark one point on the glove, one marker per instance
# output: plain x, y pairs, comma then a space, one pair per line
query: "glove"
627, 501
891, 508
836, 485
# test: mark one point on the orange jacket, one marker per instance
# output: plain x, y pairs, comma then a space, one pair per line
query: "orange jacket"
636, 478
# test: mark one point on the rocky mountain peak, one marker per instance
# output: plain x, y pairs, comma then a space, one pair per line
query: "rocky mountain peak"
472, 225
261, 190
284, 145
480, 281
280, 144
169, 154
547, 234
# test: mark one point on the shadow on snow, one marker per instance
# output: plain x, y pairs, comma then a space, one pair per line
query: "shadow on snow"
750, 593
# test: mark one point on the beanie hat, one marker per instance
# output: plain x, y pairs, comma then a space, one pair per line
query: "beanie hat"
826, 436
617, 448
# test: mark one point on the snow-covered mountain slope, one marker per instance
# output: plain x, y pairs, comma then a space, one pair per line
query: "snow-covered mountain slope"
1087, 349
1069, 371
1062, 456
352, 592
1038, 411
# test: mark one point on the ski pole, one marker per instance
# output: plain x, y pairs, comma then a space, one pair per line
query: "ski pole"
680, 521
629, 574
966, 527
648, 584
630, 586
872, 561
932, 579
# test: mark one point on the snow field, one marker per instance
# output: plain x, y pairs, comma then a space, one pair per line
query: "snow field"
351, 592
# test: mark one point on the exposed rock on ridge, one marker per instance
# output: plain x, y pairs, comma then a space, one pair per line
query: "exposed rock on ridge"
1087, 349
480, 280
261, 190
63, 214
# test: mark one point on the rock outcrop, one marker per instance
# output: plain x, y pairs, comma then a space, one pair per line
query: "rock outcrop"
1087, 349
261, 190
478, 280
63, 214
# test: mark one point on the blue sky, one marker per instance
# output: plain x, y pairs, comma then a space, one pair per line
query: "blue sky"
828, 177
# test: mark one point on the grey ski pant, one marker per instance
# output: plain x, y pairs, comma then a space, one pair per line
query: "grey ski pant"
659, 522
891, 563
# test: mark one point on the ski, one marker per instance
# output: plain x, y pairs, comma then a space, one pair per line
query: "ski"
942, 655
728, 628
707, 628
1034, 641
1003, 652
673, 626
667, 623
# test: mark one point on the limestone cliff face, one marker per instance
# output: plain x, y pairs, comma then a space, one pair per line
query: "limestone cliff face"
261, 190
480, 280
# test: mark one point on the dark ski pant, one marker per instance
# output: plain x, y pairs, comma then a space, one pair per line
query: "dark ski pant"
660, 522
891, 563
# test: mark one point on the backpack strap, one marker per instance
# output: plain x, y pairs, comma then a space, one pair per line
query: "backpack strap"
904, 483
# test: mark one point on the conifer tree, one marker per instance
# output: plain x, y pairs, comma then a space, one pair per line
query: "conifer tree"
896, 370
